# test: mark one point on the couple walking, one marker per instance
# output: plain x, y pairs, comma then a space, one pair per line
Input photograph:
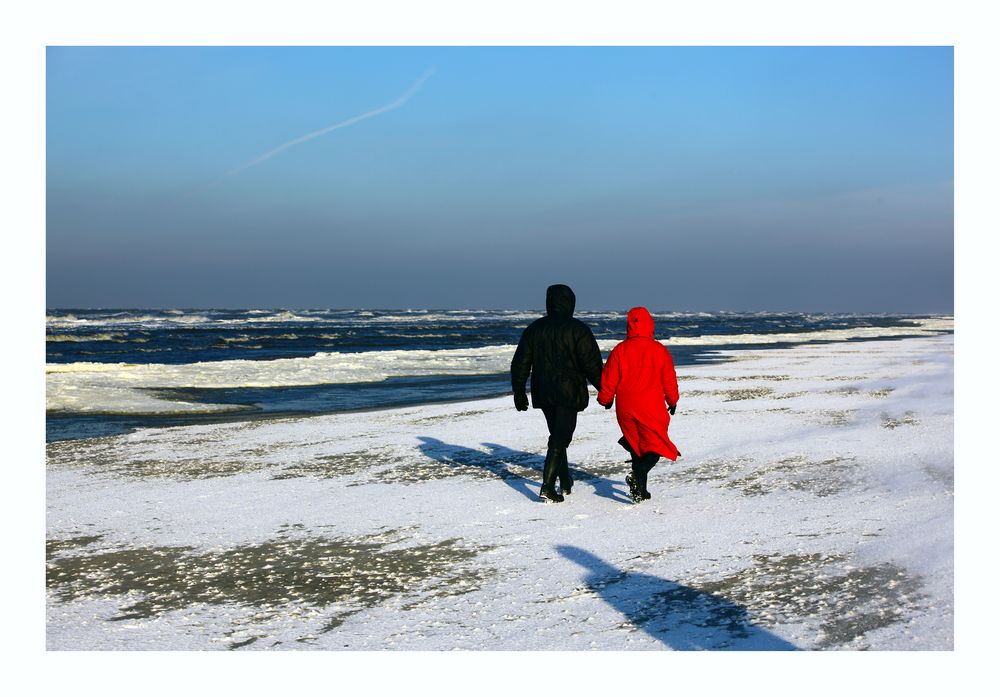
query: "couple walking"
560, 354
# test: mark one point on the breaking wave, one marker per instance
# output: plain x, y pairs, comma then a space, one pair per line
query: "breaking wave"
130, 387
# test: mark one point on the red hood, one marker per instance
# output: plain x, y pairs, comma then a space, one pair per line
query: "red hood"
639, 323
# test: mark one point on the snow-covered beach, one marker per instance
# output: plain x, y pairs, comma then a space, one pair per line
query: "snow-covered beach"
812, 509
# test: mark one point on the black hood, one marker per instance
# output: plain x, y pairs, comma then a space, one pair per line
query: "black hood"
560, 301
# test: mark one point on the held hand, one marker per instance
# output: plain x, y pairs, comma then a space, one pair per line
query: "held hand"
521, 401
608, 405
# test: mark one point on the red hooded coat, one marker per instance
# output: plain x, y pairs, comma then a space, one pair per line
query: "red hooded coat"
640, 375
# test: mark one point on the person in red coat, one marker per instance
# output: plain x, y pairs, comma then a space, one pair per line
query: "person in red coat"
640, 374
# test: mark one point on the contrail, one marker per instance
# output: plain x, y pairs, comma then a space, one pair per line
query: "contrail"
395, 104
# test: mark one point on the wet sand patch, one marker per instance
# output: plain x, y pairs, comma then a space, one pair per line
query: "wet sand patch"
798, 473
286, 576
858, 392
439, 460
731, 395
440, 418
908, 419
744, 378
790, 395
58, 545
118, 458
836, 602
832, 417
794, 473
847, 601
712, 470
115, 462
339, 464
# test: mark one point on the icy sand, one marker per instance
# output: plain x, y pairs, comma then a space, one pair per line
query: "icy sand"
812, 509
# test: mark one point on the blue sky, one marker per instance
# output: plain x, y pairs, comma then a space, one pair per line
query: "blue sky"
688, 178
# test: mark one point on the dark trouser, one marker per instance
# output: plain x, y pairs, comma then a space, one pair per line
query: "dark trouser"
562, 423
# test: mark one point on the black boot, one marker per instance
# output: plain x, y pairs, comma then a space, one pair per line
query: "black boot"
633, 488
565, 480
644, 465
640, 484
632, 479
552, 459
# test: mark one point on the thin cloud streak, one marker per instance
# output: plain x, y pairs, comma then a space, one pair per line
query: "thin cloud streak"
395, 104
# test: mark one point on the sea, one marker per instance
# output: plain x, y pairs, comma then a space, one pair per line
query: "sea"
111, 371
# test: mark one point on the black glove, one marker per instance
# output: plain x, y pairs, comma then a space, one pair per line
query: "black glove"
521, 401
608, 405
672, 409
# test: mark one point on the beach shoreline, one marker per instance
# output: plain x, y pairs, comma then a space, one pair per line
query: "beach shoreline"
93, 408
813, 509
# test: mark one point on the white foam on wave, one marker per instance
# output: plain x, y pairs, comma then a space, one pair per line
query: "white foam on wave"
176, 317
281, 316
443, 316
125, 319
429, 317
123, 387
364, 317
67, 320
100, 336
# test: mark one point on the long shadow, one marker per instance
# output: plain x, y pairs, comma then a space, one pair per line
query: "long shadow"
461, 457
499, 460
683, 618
605, 488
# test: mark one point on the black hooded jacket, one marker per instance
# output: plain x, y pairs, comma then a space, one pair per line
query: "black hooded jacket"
560, 354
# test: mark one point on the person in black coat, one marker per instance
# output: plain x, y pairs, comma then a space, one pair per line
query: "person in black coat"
560, 354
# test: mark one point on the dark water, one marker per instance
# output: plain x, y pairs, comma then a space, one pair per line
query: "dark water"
191, 336
188, 336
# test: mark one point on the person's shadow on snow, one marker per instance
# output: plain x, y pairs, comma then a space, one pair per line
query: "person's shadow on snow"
499, 459
683, 618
